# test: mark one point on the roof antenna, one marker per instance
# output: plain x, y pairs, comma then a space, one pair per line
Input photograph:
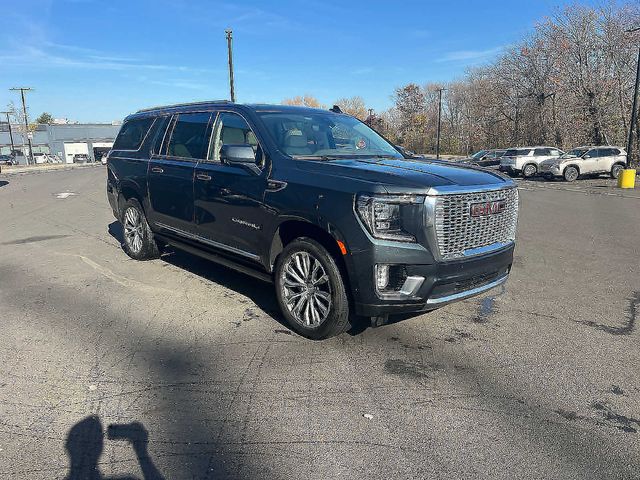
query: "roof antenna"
335, 109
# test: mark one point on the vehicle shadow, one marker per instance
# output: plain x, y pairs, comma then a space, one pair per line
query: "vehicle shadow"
259, 292
85, 443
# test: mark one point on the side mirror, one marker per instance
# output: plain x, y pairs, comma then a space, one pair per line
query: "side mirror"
237, 154
586, 156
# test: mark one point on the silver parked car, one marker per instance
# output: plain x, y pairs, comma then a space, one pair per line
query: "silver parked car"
587, 160
526, 161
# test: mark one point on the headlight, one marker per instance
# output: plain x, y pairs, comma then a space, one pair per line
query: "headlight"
382, 215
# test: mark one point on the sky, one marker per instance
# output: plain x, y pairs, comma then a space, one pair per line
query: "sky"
99, 60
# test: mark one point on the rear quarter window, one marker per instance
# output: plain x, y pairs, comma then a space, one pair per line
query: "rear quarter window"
132, 134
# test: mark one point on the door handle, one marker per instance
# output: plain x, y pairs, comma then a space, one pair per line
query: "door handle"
157, 170
202, 176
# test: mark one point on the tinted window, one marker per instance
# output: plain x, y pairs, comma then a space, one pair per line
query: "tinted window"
232, 129
511, 152
189, 138
541, 151
132, 134
523, 152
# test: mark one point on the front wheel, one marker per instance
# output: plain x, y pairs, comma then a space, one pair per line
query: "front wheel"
570, 174
310, 290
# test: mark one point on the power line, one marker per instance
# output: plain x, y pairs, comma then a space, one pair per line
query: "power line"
26, 119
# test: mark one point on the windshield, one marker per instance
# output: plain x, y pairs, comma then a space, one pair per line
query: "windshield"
479, 154
576, 152
325, 135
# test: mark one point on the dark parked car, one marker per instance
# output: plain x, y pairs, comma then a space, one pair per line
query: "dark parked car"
315, 202
485, 158
6, 160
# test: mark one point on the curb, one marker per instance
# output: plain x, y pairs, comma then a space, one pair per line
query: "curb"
29, 170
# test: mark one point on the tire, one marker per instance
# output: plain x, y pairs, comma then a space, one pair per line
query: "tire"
299, 272
529, 170
571, 174
616, 170
138, 241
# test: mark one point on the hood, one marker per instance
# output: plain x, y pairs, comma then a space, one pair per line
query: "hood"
414, 173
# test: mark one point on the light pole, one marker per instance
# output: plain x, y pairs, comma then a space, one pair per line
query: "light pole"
10, 131
26, 119
440, 90
634, 111
229, 33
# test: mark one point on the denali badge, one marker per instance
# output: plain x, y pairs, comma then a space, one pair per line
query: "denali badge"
487, 208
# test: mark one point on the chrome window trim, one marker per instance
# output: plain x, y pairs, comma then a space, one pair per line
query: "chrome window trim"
221, 246
467, 293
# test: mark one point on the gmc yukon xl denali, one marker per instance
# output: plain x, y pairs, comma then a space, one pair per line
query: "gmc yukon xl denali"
315, 202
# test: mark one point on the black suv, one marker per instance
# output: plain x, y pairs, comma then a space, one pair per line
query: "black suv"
317, 203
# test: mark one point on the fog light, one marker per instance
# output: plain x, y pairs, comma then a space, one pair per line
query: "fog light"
382, 277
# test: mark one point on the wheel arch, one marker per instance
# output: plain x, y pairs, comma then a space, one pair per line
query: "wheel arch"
128, 191
571, 165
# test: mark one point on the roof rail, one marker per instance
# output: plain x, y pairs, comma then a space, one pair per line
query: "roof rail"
188, 104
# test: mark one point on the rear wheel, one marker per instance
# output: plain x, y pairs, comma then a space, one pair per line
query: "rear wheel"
310, 290
616, 170
529, 170
571, 174
138, 240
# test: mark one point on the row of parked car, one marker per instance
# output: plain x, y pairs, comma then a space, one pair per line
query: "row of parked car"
551, 162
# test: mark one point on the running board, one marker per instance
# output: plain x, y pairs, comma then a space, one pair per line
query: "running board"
219, 259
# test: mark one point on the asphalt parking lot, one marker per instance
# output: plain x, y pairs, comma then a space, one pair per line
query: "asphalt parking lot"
178, 368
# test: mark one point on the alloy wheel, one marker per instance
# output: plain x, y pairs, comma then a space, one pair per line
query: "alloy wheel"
306, 289
133, 229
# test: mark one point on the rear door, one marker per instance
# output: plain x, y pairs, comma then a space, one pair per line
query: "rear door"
229, 199
607, 158
172, 168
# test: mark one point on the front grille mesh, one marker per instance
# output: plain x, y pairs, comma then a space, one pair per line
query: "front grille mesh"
457, 231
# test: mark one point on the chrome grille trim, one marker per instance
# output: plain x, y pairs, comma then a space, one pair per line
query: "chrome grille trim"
459, 235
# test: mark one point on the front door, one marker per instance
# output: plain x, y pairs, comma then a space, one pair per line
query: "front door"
171, 172
589, 163
229, 199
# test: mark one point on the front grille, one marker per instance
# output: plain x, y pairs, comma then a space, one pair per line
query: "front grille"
458, 233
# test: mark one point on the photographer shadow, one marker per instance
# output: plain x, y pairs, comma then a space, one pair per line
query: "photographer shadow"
85, 443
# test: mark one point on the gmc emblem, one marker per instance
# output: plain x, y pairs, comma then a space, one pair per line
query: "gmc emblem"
487, 208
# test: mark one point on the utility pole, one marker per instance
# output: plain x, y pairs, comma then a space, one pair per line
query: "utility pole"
440, 90
634, 111
10, 131
229, 33
26, 120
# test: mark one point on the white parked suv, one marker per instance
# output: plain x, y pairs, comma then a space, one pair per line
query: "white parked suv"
588, 160
526, 161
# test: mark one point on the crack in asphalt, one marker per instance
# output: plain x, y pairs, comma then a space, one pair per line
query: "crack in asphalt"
628, 327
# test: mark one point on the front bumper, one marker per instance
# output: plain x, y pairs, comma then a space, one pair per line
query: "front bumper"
444, 282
